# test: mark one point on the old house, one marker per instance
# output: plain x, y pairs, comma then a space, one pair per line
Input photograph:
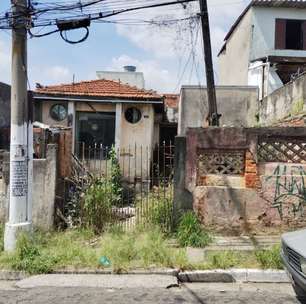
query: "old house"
266, 46
104, 113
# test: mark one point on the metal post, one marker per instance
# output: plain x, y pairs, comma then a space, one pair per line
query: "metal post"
213, 116
20, 153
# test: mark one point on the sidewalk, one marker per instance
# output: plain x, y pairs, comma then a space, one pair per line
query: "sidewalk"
160, 277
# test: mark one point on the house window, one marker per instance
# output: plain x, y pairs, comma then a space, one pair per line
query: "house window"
133, 115
58, 112
96, 128
290, 34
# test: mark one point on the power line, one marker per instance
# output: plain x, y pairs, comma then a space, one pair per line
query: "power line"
75, 15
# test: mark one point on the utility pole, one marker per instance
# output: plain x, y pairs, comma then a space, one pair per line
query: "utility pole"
213, 116
21, 146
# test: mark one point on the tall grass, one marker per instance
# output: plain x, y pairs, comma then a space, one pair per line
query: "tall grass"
79, 249
191, 233
269, 258
1, 237
140, 249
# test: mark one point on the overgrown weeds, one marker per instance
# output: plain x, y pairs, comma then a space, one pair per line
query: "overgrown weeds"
269, 258
75, 249
141, 250
191, 233
157, 209
46, 252
1, 237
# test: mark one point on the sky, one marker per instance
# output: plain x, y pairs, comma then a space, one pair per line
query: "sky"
169, 56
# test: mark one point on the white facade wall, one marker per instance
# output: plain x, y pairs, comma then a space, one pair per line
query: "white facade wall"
263, 34
234, 61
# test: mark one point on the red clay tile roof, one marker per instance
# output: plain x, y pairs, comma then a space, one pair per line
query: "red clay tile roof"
172, 100
100, 88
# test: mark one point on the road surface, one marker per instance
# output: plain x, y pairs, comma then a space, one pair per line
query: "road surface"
146, 290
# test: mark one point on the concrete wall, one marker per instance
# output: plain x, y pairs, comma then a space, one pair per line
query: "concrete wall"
44, 186
131, 78
238, 106
266, 196
233, 63
287, 101
5, 105
263, 38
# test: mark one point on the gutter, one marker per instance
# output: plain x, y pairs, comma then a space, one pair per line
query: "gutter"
98, 100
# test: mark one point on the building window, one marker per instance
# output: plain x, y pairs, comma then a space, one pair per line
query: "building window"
133, 115
58, 112
290, 34
96, 129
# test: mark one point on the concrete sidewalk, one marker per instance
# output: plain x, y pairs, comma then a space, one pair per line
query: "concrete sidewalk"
161, 280
99, 281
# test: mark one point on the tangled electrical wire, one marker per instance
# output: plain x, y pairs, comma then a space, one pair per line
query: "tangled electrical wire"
68, 15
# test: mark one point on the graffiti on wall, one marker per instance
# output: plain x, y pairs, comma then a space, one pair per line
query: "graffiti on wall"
289, 189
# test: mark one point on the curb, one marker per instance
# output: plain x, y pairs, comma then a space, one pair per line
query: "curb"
234, 275
198, 276
7, 275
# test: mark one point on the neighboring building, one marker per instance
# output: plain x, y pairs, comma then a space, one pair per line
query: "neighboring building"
5, 114
129, 76
168, 126
171, 107
238, 106
102, 113
266, 46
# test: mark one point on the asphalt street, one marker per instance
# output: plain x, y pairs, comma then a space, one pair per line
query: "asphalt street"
208, 293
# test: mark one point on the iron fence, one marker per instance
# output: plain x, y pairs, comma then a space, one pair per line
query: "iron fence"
135, 183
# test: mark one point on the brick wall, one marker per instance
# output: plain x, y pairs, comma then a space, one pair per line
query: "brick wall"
251, 171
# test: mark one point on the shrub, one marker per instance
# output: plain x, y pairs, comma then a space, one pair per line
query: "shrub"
191, 233
101, 196
97, 205
269, 258
115, 178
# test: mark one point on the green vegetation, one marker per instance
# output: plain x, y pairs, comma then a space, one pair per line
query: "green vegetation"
75, 249
144, 249
191, 233
141, 250
224, 260
297, 107
156, 209
46, 252
1, 237
269, 258
96, 210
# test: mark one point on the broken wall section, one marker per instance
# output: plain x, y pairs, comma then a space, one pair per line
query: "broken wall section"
247, 178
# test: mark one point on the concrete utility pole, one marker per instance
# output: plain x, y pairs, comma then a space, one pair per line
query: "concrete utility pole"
21, 147
213, 116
